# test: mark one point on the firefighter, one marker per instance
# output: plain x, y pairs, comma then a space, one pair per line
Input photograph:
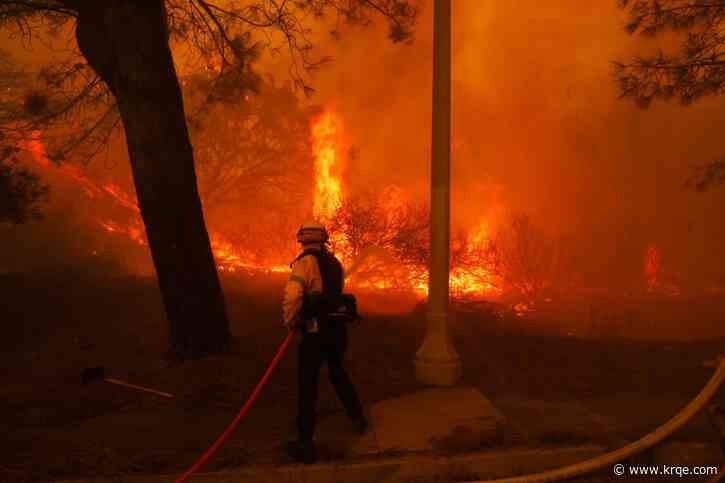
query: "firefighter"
313, 289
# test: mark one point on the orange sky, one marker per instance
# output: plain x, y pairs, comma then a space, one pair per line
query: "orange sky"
536, 121
536, 114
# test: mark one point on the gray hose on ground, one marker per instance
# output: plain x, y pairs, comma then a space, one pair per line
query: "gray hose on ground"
646, 442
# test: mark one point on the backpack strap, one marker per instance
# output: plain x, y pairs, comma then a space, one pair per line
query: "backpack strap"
321, 304
312, 251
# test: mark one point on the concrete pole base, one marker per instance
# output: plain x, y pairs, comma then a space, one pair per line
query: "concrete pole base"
437, 363
438, 373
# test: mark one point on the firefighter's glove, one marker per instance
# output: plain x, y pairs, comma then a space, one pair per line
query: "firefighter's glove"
293, 324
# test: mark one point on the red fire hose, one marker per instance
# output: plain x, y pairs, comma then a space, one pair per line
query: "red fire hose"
566, 472
212, 449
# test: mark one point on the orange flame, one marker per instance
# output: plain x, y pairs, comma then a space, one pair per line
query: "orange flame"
38, 153
477, 279
328, 195
134, 231
121, 197
651, 268
327, 201
328, 183
654, 279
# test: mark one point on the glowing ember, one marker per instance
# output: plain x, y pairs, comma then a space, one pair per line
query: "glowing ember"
651, 268
121, 197
36, 148
523, 308
134, 231
230, 258
653, 275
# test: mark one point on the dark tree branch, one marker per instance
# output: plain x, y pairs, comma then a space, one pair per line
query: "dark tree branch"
211, 29
14, 8
698, 71
707, 175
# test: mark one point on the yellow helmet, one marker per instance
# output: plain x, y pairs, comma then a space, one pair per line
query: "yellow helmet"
312, 231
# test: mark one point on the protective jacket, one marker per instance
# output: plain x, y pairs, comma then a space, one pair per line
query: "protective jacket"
313, 289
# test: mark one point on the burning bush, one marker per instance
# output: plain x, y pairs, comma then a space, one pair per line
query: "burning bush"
475, 262
525, 258
382, 238
255, 194
266, 244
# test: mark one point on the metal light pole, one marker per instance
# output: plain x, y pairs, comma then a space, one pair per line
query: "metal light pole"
437, 363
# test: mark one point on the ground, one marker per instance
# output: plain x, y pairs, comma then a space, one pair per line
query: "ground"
559, 381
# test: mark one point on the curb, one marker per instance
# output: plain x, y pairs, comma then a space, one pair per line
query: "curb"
471, 466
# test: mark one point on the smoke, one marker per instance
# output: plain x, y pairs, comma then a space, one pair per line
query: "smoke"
537, 128
88, 209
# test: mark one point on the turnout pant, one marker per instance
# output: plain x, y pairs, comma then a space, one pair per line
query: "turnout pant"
316, 349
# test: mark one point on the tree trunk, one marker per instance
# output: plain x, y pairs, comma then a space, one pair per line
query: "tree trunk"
126, 42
